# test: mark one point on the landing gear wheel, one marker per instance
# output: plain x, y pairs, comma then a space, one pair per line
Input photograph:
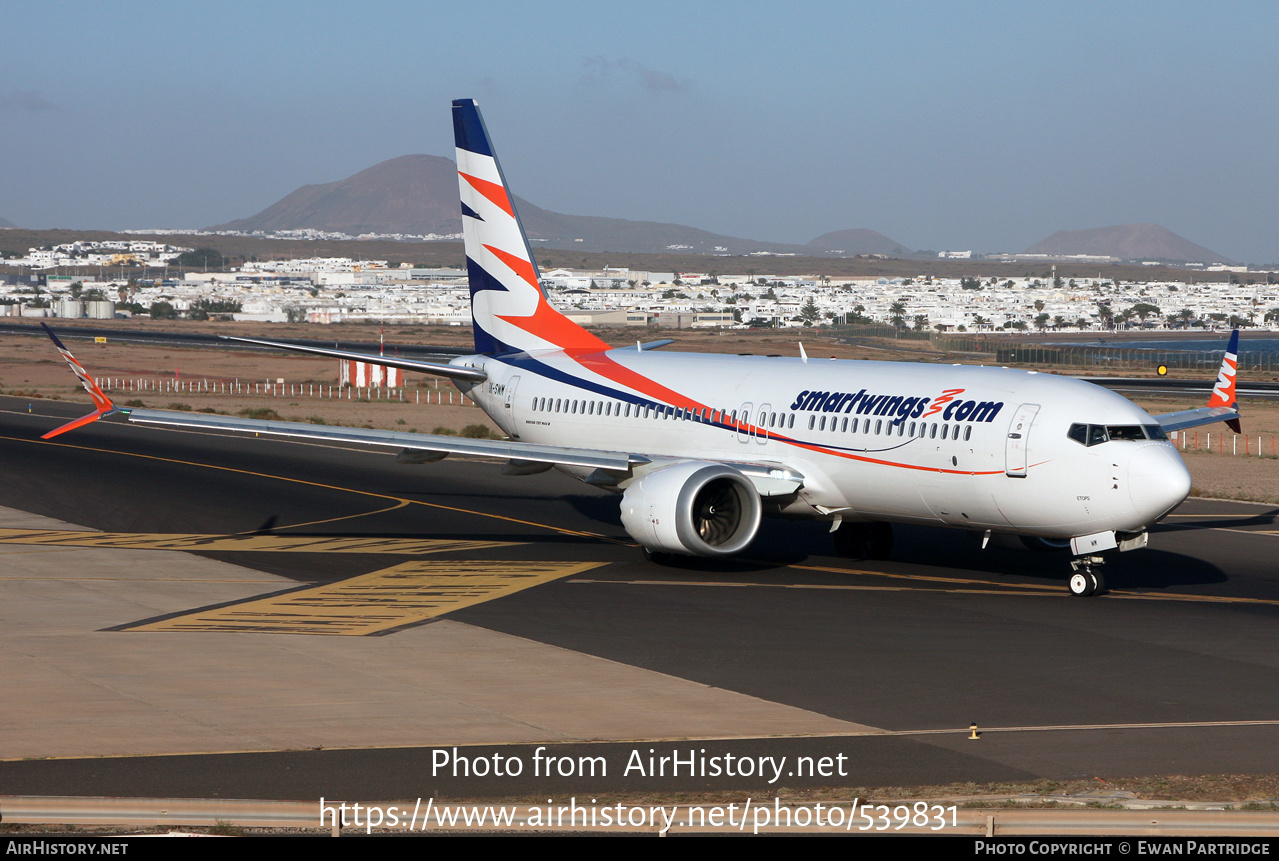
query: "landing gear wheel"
657, 557
1086, 579
850, 540
880, 543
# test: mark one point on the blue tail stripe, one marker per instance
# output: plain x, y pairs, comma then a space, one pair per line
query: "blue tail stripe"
468, 128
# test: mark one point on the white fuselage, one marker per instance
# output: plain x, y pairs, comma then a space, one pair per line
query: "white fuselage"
962, 446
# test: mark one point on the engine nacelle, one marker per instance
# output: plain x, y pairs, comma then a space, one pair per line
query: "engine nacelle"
696, 508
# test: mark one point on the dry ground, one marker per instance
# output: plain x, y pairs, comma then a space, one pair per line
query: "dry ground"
29, 366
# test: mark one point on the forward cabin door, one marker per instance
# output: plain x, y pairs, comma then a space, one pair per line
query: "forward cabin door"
1018, 443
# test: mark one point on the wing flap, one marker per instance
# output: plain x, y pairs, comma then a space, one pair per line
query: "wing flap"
504, 449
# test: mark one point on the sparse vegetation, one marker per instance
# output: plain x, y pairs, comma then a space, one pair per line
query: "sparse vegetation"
264, 413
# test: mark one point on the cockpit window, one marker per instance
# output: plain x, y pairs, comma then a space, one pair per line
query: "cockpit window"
1128, 432
1091, 435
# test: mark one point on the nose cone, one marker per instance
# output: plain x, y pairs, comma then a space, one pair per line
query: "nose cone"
1158, 481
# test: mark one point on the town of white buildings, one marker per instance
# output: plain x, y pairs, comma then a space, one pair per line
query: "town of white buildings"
330, 290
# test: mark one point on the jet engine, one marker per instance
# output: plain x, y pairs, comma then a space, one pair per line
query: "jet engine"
695, 508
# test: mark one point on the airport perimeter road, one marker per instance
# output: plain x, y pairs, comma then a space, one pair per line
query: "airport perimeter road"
239, 617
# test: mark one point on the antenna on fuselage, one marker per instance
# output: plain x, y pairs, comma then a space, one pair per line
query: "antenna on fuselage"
802, 354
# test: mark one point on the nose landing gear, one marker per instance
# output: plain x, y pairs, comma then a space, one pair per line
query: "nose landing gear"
1084, 580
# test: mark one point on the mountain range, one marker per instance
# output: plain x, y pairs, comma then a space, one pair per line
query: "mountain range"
417, 195
1127, 242
4, 223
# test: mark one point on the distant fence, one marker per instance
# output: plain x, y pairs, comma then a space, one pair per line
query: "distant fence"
1099, 355
1225, 443
238, 388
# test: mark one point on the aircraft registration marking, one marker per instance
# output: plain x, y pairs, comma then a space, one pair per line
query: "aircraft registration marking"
243, 543
373, 603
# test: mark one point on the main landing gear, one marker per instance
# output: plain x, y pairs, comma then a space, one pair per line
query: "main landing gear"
864, 540
1084, 580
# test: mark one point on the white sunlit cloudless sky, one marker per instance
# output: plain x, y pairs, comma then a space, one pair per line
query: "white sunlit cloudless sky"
961, 125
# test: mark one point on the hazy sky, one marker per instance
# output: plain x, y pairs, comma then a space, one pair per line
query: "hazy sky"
949, 125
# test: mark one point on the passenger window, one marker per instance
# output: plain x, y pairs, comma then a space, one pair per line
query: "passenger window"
968, 433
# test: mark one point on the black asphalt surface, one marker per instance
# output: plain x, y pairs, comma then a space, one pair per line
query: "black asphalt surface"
942, 635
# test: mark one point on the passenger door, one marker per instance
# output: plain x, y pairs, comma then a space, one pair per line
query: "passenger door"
1018, 443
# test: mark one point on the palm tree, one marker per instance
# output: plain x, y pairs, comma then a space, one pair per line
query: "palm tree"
898, 310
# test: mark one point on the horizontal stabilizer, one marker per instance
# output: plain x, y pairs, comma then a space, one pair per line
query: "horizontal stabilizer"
452, 371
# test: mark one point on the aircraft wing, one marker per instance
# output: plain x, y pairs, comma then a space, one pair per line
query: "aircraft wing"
409, 443
770, 479
452, 371
1223, 404
1187, 419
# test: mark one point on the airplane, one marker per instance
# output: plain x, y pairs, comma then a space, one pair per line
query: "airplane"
701, 446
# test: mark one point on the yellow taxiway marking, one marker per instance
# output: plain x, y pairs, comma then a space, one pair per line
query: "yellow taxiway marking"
242, 543
369, 493
967, 586
838, 587
1088, 726
356, 516
1025, 587
372, 603
862, 733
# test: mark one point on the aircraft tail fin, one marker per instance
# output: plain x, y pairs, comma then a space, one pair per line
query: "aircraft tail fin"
104, 405
1223, 391
509, 312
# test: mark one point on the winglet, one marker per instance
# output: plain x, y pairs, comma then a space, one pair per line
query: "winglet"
100, 400
1223, 391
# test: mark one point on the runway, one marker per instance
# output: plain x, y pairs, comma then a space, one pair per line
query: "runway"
297, 619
